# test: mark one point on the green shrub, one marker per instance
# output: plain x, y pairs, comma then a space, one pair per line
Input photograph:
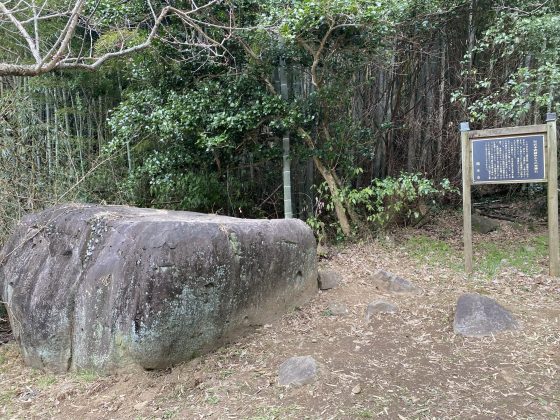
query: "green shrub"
396, 201
386, 202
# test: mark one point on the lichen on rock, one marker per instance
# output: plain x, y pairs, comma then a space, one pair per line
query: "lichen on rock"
103, 287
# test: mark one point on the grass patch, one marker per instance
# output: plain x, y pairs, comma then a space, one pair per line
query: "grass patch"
271, 413
9, 352
212, 399
87, 376
226, 373
6, 397
46, 381
433, 252
275, 412
491, 257
327, 312
363, 413
169, 414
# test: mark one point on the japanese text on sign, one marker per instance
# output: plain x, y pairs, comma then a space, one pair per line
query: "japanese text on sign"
511, 159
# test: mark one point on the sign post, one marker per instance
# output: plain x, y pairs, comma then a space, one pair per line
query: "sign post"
467, 225
552, 201
511, 155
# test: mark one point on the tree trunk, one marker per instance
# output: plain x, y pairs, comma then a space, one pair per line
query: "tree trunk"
339, 209
441, 110
330, 178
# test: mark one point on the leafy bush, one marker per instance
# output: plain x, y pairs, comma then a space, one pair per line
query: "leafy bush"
188, 147
386, 202
402, 200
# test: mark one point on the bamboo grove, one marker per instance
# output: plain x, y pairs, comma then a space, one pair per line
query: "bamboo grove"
196, 119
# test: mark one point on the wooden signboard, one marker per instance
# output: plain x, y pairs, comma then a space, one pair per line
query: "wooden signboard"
511, 155
508, 159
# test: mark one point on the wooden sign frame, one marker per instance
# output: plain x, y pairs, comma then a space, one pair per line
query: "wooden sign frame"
547, 130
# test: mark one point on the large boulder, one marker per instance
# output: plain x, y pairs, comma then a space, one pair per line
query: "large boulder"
103, 287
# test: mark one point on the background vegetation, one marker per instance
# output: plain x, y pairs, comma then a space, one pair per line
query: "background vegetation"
375, 94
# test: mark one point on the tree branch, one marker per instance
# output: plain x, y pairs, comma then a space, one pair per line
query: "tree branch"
58, 56
32, 46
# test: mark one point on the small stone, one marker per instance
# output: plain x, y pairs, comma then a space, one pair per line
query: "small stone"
337, 308
379, 307
357, 389
479, 316
298, 370
389, 282
328, 279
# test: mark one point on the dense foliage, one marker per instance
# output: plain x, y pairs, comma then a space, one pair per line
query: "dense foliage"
375, 91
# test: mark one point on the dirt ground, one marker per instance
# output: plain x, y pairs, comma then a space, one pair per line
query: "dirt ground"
403, 366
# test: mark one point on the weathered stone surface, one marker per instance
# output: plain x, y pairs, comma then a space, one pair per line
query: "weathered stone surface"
328, 279
338, 308
101, 287
389, 282
479, 316
482, 224
299, 370
379, 307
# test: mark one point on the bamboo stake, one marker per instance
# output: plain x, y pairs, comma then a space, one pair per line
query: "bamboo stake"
286, 167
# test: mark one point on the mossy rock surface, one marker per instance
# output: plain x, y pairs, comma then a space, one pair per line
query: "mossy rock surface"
104, 287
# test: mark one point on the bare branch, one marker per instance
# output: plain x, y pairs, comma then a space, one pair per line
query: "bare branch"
45, 17
60, 55
32, 46
64, 38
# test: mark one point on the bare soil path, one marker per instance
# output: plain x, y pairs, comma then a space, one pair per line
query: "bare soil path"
406, 365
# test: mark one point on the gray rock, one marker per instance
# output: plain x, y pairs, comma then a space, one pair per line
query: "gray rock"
337, 308
328, 279
389, 282
379, 307
102, 287
299, 370
482, 224
479, 316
